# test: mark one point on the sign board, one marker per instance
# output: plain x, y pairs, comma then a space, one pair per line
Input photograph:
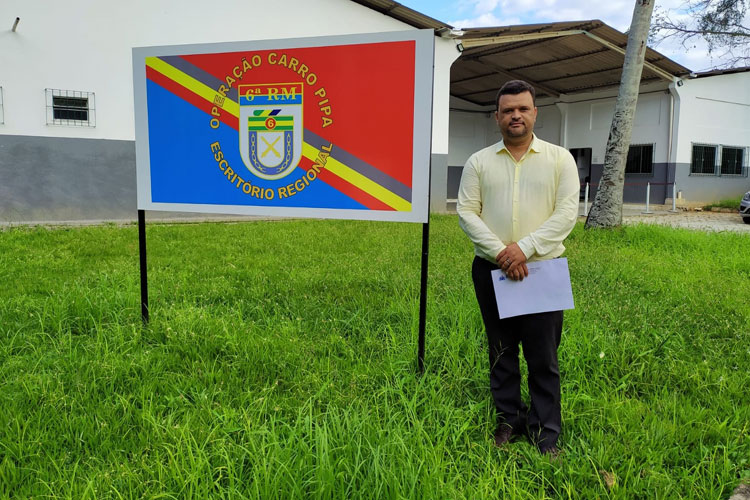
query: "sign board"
330, 127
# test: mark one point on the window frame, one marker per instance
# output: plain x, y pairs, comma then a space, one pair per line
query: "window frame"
717, 149
653, 155
743, 161
90, 97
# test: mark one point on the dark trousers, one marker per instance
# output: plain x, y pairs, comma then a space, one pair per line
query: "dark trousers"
539, 335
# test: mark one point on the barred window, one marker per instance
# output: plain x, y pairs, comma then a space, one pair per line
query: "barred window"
704, 159
70, 107
640, 159
732, 160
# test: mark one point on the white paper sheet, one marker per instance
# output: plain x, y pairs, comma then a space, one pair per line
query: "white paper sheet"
546, 288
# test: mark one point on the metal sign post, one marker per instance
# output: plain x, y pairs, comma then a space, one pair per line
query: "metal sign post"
144, 275
423, 294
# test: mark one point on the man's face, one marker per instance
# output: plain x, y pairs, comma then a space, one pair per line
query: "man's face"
516, 115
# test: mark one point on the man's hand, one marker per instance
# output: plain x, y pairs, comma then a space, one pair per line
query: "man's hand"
512, 261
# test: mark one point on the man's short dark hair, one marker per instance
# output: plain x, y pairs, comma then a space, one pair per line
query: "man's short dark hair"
515, 87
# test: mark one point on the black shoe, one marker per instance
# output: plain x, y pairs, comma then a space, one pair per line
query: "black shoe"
504, 434
553, 452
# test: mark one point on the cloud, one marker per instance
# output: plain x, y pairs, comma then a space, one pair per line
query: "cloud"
485, 6
487, 19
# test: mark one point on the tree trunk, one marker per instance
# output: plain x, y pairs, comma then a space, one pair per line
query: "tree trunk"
606, 211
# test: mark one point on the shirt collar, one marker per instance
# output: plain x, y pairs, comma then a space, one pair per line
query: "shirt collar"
535, 145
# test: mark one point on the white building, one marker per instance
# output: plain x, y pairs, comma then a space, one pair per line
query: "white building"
66, 116
690, 129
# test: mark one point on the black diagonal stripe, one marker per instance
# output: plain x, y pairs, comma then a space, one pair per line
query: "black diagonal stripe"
364, 168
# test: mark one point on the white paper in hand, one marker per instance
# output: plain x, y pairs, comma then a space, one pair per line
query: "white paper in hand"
546, 288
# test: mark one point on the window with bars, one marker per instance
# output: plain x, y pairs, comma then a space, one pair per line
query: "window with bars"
70, 107
732, 160
640, 159
704, 159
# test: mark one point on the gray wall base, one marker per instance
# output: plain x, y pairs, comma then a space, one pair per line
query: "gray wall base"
56, 179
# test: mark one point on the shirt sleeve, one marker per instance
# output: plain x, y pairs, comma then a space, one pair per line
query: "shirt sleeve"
559, 225
469, 208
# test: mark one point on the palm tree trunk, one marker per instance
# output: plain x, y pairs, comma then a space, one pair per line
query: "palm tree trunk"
606, 211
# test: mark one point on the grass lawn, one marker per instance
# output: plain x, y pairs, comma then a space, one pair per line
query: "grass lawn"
280, 363
732, 203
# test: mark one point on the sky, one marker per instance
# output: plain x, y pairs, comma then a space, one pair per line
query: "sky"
616, 13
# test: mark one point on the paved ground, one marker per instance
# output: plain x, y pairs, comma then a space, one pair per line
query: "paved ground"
632, 214
704, 221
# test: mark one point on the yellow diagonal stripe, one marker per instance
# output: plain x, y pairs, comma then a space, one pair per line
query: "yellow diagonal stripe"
333, 165
355, 178
191, 84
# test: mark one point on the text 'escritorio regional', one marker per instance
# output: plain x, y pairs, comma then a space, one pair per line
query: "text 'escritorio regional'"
261, 193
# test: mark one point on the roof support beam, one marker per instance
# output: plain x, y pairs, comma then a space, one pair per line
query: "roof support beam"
515, 48
472, 78
560, 60
516, 76
523, 46
588, 73
614, 86
472, 102
495, 40
663, 74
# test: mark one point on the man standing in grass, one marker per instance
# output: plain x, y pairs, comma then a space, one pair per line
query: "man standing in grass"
517, 202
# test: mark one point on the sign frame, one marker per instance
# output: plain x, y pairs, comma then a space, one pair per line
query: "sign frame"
424, 48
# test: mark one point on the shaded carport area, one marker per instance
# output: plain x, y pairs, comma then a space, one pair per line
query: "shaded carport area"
566, 62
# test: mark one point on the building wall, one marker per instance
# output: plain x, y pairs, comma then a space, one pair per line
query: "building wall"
470, 131
86, 45
445, 54
712, 110
589, 122
548, 123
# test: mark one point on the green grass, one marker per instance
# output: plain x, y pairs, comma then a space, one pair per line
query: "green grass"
280, 363
733, 203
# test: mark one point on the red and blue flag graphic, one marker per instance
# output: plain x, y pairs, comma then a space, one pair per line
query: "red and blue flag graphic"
324, 127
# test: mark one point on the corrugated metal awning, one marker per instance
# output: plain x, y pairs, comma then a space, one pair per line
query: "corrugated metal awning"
557, 58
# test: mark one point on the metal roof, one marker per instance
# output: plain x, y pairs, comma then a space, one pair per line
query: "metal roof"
403, 14
557, 58
716, 72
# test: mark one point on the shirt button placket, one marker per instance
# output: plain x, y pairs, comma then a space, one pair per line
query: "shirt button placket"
516, 198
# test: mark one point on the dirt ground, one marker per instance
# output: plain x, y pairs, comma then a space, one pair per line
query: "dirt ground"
703, 221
